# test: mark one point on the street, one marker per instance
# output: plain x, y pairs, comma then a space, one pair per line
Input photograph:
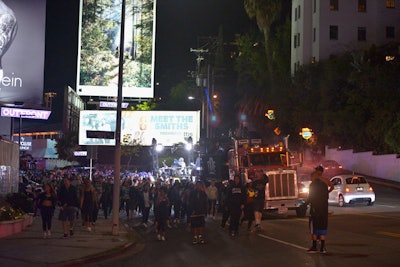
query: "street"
358, 235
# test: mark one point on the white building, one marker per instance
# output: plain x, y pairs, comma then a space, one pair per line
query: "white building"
321, 28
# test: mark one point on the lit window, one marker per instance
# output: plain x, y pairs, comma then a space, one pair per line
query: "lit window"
333, 32
334, 5
362, 34
390, 3
390, 32
362, 5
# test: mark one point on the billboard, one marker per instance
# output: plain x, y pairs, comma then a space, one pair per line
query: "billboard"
98, 50
22, 50
140, 127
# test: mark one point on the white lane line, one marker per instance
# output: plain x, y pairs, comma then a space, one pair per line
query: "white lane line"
282, 242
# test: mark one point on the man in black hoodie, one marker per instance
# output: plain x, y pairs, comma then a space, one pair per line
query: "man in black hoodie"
236, 199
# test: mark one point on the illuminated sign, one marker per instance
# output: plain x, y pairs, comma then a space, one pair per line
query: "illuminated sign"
80, 153
22, 50
25, 113
306, 133
98, 48
25, 144
105, 104
140, 127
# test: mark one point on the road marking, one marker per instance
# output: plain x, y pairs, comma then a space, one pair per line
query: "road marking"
282, 242
389, 234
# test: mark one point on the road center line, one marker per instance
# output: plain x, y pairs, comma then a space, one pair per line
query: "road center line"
389, 234
282, 242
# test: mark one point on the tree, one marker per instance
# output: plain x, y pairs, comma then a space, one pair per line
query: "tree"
66, 145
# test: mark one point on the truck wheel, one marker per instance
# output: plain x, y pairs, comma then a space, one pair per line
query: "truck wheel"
301, 211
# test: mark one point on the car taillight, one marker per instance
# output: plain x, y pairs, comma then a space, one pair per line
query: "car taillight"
340, 167
347, 190
371, 189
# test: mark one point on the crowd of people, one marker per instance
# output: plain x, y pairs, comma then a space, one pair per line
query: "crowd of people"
172, 202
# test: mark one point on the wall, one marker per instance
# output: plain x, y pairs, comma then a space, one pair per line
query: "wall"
381, 166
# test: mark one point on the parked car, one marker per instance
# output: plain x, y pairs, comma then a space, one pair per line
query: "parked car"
331, 168
349, 189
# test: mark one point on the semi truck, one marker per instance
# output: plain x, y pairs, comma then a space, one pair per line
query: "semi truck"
249, 156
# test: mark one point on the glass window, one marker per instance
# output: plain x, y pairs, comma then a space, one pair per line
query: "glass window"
298, 16
333, 32
334, 5
298, 39
390, 4
390, 32
315, 6
314, 34
362, 34
362, 5
295, 41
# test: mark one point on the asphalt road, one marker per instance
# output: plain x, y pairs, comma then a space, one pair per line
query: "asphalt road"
358, 235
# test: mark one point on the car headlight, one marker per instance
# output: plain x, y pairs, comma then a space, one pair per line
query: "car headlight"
304, 190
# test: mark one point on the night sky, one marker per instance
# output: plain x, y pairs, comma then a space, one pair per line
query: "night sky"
179, 23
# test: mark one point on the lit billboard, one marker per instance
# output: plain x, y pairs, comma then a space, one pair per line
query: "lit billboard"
140, 127
22, 50
99, 41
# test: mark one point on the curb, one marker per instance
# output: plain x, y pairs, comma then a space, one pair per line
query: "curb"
117, 251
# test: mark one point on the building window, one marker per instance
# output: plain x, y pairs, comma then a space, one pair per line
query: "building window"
390, 32
295, 14
298, 40
333, 32
314, 34
390, 4
362, 34
362, 5
315, 6
298, 10
295, 41
334, 5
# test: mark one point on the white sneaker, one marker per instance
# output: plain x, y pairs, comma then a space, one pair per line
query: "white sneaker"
163, 238
158, 237
48, 233
144, 225
89, 229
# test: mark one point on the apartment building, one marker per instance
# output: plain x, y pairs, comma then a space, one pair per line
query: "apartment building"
321, 28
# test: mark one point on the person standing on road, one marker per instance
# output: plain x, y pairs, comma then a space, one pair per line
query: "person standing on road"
68, 199
47, 204
259, 184
318, 200
198, 208
236, 199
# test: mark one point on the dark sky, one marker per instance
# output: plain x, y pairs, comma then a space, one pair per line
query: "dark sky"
179, 23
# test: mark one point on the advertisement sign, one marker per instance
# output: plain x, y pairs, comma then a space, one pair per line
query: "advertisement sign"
25, 113
22, 50
140, 127
98, 48
25, 144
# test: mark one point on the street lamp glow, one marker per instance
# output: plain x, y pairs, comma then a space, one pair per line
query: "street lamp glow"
189, 146
159, 147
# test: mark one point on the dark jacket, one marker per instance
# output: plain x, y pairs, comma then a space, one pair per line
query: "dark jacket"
68, 197
198, 202
236, 196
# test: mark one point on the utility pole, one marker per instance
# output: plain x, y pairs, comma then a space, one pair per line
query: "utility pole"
117, 162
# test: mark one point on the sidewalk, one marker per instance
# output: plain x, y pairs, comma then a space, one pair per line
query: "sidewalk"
29, 248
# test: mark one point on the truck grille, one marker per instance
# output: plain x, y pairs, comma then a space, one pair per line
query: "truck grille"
281, 185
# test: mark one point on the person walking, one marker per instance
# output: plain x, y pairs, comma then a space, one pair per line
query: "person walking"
47, 201
318, 200
249, 205
212, 194
146, 201
88, 204
198, 208
236, 199
68, 200
259, 184
162, 212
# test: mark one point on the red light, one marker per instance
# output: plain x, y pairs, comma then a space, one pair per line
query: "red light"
371, 189
347, 190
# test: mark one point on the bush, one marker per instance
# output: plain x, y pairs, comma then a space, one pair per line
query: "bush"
20, 201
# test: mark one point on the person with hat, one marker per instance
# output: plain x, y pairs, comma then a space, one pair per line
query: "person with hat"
318, 200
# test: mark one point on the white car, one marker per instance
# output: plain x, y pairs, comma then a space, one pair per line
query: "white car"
350, 189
